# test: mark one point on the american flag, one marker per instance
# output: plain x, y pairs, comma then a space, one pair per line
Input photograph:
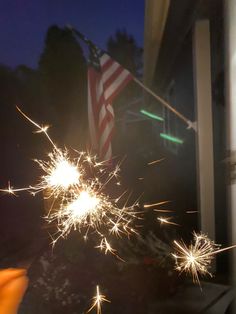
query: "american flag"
106, 78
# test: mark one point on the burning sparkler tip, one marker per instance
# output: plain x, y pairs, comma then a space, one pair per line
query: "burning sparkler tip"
197, 257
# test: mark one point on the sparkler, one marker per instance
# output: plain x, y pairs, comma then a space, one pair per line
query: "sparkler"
196, 258
78, 184
77, 188
89, 208
97, 301
60, 173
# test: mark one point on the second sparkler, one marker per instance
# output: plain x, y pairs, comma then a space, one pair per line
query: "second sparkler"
77, 194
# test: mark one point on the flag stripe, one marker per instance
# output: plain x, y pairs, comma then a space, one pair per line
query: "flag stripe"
91, 110
104, 118
106, 144
106, 133
113, 78
107, 65
103, 86
109, 72
104, 58
107, 156
117, 86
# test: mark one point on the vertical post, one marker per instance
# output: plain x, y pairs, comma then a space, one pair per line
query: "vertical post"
156, 12
203, 96
230, 79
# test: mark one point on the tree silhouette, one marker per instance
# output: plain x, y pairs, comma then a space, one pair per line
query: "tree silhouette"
9, 86
63, 69
123, 48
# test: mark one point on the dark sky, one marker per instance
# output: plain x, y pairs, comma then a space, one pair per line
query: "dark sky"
23, 23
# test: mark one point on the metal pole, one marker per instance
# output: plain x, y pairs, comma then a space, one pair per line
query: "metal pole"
230, 78
205, 156
163, 102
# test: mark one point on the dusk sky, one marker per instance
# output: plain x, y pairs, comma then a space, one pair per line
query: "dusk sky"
23, 24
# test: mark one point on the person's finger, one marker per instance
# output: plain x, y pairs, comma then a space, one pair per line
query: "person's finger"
12, 293
9, 274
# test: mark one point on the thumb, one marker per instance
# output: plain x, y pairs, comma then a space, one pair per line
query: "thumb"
12, 292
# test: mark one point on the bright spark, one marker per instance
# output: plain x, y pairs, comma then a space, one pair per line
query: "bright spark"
79, 209
10, 190
64, 174
98, 299
156, 204
191, 211
40, 129
105, 246
43, 129
60, 173
196, 258
167, 221
155, 161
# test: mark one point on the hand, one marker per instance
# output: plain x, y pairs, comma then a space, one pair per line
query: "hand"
13, 284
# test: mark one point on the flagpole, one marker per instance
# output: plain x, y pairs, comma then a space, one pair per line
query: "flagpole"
165, 103
190, 124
